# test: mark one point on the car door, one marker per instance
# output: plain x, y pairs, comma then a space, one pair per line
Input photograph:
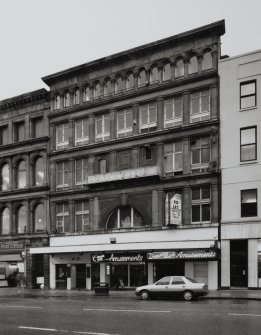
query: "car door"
177, 286
161, 287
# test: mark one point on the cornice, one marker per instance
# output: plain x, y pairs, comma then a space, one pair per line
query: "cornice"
24, 99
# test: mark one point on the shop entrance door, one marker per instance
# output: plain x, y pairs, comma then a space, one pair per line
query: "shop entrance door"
61, 276
169, 269
80, 276
238, 263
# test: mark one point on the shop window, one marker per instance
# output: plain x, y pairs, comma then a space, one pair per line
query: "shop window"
179, 68
249, 203
37, 127
21, 220
39, 172
130, 81
201, 204
248, 94
82, 216
86, 93
57, 101
81, 171
62, 136
173, 157
19, 132
96, 90
107, 87
173, 111
200, 153
81, 132
76, 96
118, 84
142, 78
200, 106
62, 218
154, 75
102, 127
21, 175
124, 123
207, 61
193, 65
248, 150
166, 72
62, 174
5, 177
39, 218
66, 99
125, 217
148, 117
5, 221
3, 135
124, 160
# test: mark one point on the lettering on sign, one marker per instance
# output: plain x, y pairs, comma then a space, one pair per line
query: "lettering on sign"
185, 254
11, 245
173, 209
116, 258
3, 283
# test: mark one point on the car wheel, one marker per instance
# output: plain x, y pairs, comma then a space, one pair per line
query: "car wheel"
187, 295
144, 295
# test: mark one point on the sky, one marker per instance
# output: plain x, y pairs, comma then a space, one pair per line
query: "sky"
41, 37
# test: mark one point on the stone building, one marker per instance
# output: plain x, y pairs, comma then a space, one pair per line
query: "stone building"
134, 165
23, 187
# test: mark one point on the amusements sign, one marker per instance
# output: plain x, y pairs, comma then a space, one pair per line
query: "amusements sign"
182, 254
173, 209
117, 258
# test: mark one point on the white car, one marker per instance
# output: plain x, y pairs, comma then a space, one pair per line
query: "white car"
173, 286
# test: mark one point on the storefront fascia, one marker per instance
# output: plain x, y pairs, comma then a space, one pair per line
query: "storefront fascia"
73, 250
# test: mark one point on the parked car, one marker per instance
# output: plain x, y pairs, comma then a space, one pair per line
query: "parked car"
173, 286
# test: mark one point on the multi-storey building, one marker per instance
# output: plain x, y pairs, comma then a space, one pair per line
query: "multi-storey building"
240, 110
134, 164
23, 187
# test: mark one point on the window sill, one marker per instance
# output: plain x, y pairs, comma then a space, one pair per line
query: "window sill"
249, 162
247, 109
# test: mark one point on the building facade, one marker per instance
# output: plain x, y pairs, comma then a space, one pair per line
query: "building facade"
23, 188
240, 110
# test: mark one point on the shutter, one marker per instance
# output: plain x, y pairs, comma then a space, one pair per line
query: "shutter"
201, 272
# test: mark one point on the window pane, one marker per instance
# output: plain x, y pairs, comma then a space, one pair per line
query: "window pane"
21, 220
152, 114
196, 213
169, 163
247, 89
205, 192
178, 146
39, 171
137, 219
154, 75
143, 115
167, 72
121, 121
205, 155
248, 152
193, 65
39, 218
5, 177
106, 124
249, 203
113, 221
5, 221
21, 175
179, 69
196, 194
130, 81
125, 217
196, 156
178, 107
205, 103
142, 78
178, 161
207, 61
195, 106
248, 101
249, 196
168, 109
248, 136
129, 119
206, 212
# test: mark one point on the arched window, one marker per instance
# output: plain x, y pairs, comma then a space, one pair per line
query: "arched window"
86, 93
21, 220
166, 72
193, 65
125, 217
39, 175
179, 69
57, 101
39, 218
5, 221
207, 61
76, 96
107, 87
118, 84
154, 75
130, 81
142, 78
96, 90
21, 175
66, 99
5, 177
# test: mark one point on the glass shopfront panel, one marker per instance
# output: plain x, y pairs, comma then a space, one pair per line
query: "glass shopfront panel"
127, 275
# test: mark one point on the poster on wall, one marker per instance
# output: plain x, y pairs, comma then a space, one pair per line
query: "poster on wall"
173, 211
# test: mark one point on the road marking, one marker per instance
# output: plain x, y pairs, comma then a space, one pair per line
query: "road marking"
237, 314
123, 310
63, 331
15, 306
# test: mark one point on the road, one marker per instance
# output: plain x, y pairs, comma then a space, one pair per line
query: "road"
96, 315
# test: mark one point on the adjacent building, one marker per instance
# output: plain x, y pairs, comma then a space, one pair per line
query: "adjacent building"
240, 116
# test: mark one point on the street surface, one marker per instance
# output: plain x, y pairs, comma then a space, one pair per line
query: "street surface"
98, 315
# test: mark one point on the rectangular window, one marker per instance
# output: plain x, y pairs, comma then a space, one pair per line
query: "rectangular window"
37, 128
248, 203
3, 135
124, 123
103, 165
200, 153
62, 218
62, 136
81, 132
82, 221
201, 204
124, 160
200, 105
62, 174
173, 112
19, 133
248, 144
173, 157
81, 171
148, 117
102, 127
248, 94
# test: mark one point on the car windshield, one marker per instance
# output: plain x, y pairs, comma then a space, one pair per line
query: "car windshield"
191, 280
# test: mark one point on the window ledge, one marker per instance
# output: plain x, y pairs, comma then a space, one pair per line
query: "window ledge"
247, 109
249, 162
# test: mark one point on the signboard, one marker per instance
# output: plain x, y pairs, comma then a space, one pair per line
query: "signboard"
182, 254
173, 206
3, 283
12, 245
118, 258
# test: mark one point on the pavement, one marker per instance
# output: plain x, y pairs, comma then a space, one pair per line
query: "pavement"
241, 294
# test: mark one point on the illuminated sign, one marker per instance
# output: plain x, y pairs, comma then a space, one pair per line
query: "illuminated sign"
117, 258
182, 254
